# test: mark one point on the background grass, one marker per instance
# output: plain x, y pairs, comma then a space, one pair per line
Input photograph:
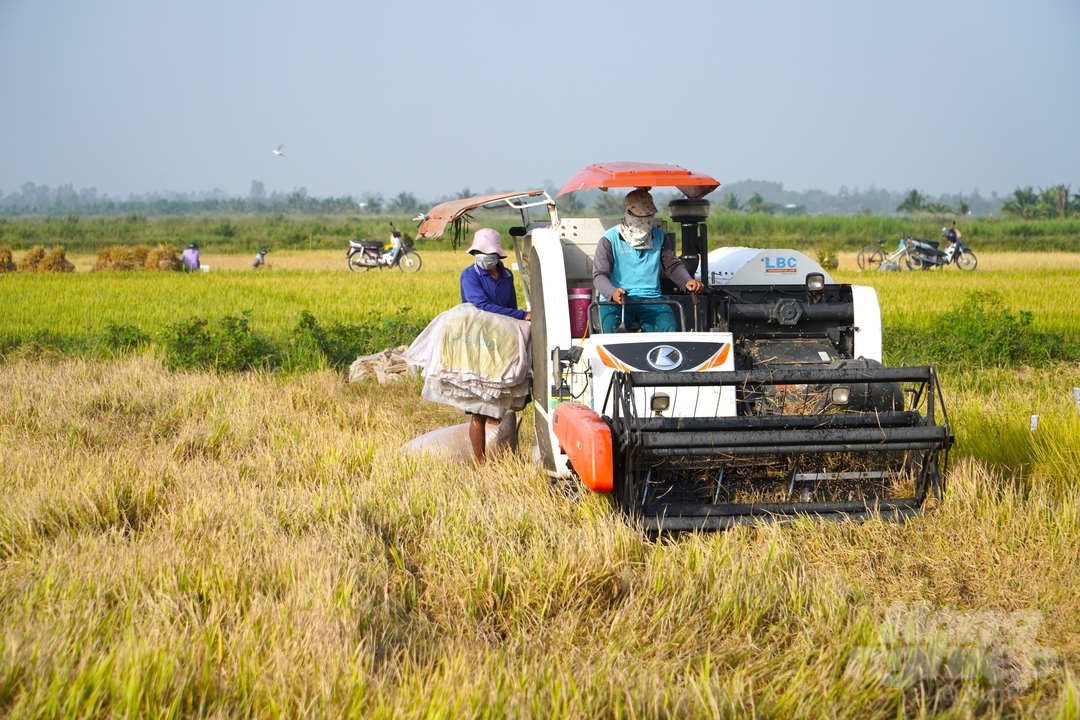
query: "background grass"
246, 234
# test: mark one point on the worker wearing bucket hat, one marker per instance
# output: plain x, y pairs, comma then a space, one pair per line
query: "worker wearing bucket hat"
489, 285
627, 264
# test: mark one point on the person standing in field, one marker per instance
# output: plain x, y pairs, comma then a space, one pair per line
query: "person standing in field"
489, 285
191, 258
260, 259
396, 243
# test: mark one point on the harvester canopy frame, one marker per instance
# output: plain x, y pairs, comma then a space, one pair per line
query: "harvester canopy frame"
435, 220
603, 176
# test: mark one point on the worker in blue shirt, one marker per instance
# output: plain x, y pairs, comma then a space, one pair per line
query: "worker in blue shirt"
487, 283
627, 264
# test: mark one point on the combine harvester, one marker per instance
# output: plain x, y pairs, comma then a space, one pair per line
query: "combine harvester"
771, 401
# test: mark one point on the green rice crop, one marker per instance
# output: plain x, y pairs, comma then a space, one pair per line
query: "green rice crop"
922, 301
93, 301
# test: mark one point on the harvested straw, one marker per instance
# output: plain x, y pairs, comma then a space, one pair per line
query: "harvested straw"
6, 263
32, 259
163, 257
118, 257
56, 261
140, 252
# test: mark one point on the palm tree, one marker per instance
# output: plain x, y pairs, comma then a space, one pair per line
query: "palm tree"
405, 203
938, 208
913, 203
373, 203
729, 203
570, 206
759, 205
1024, 204
962, 208
1054, 201
608, 205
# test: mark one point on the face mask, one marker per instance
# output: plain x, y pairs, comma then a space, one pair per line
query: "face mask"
486, 262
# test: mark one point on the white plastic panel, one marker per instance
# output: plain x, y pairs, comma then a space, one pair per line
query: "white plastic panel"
867, 322
754, 266
685, 401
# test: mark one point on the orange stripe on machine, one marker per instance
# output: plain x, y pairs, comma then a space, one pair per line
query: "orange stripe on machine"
610, 360
717, 360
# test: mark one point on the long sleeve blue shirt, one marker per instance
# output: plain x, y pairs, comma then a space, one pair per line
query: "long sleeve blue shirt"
490, 294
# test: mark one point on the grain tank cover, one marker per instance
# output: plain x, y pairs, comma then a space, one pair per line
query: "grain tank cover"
754, 266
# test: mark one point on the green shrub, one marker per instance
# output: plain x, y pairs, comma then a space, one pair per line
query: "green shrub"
228, 345
340, 344
124, 337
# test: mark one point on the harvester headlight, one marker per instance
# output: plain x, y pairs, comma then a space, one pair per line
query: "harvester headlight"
660, 402
841, 395
815, 282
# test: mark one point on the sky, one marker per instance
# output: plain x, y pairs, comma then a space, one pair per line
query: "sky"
942, 96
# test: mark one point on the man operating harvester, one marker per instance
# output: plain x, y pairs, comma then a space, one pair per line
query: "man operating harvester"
626, 267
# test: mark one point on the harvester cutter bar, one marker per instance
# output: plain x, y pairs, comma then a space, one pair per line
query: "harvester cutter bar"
783, 376
833, 440
903, 418
698, 509
690, 523
722, 451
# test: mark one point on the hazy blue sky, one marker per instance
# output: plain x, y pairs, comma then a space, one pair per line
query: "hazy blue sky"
431, 97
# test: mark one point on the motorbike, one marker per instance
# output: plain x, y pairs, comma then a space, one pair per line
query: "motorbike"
925, 254
364, 255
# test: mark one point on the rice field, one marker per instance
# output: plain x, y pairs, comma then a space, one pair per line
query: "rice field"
321, 283
192, 544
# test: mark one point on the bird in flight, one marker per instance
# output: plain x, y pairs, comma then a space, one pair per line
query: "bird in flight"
279, 152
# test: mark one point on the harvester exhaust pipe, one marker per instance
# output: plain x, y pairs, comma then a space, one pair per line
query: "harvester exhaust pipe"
691, 216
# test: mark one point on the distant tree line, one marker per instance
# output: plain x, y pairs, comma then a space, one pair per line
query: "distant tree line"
748, 196
1057, 201
42, 200
757, 197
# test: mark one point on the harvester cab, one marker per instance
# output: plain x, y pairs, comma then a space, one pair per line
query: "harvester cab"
769, 401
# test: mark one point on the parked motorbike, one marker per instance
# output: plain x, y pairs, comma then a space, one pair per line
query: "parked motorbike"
925, 254
364, 255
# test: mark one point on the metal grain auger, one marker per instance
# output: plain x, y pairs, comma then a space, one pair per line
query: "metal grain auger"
769, 402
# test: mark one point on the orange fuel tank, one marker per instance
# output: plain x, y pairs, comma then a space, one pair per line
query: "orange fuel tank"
586, 440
